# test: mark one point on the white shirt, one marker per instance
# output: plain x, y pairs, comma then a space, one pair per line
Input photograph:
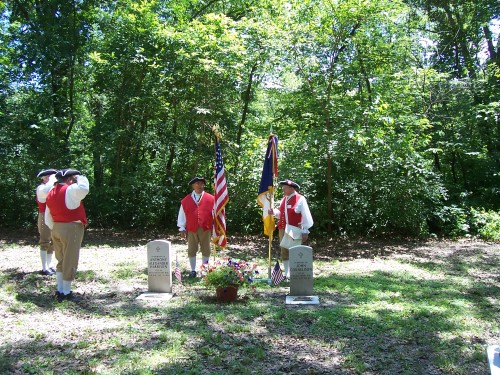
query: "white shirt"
301, 207
74, 195
43, 189
181, 217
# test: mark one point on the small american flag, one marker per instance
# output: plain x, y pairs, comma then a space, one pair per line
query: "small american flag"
277, 274
177, 271
221, 199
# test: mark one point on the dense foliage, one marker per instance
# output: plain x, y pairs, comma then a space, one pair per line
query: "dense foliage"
387, 112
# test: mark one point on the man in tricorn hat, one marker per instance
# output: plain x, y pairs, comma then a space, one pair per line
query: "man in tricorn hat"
293, 210
66, 216
195, 221
46, 248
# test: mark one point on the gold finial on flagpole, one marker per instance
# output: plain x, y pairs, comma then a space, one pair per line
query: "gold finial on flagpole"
216, 131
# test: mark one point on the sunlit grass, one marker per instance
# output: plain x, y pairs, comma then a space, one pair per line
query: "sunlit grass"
375, 316
126, 270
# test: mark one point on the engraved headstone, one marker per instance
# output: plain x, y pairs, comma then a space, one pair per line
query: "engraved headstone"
301, 271
301, 277
159, 266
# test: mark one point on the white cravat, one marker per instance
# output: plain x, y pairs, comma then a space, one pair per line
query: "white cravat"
197, 197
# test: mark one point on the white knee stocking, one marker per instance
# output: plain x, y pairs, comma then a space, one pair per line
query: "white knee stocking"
49, 260
43, 257
192, 262
66, 287
59, 280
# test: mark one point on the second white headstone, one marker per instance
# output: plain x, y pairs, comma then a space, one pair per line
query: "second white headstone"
301, 271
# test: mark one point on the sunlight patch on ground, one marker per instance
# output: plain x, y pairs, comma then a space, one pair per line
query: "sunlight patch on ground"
368, 266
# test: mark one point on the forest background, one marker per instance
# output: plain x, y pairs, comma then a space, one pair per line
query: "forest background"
387, 112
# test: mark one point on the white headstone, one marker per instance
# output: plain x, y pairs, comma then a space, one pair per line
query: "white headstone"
301, 271
160, 266
301, 277
494, 359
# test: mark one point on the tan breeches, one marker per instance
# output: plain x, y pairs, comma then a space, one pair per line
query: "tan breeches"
67, 239
199, 239
285, 253
45, 235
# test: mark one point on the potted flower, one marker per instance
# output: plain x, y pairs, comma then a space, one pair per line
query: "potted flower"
226, 276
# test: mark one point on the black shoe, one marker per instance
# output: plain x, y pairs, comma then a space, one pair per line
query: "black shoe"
52, 269
68, 297
192, 275
48, 272
59, 296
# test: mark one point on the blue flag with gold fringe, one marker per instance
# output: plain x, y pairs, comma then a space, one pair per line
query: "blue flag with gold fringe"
266, 188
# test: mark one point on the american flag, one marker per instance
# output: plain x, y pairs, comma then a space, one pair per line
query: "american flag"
177, 271
221, 199
277, 275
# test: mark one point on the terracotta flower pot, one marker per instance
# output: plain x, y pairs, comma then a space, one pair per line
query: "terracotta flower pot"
227, 294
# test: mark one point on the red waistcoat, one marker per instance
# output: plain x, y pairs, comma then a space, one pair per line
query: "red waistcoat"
293, 218
41, 206
56, 201
198, 215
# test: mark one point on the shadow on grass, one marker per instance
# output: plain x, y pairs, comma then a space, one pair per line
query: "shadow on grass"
382, 322
379, 338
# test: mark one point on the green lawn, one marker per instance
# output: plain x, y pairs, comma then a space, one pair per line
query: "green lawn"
421, 308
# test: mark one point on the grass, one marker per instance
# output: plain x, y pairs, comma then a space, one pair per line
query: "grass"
429, 308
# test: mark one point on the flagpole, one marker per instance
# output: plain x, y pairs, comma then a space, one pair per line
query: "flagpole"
221, 198
271, 205
271, 198
271, 235
265, 197
216, 136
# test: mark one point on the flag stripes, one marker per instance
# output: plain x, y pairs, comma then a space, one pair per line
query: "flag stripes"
277, 275
221, 199
177, 272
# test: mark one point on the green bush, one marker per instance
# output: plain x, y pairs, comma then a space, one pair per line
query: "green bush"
486, 224
449, 221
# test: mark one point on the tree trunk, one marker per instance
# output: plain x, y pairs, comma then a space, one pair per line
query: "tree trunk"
461, 42
246, 102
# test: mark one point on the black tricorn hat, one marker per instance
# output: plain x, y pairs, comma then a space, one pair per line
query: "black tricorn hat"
46, 172
290, 183
196, 179
65, 173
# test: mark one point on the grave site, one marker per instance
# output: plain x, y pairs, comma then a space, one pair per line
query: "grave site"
240, 187
360, 307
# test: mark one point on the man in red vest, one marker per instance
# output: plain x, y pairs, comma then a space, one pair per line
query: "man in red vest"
195, 221
293, 210
46, 248
65, 215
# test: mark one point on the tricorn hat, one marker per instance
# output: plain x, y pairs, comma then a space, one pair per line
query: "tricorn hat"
196, 179
65, 173
46, 172
290, 183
